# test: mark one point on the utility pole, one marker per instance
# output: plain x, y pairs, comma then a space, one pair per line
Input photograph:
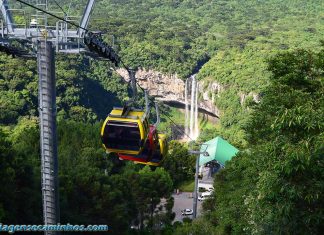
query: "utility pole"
195, 193
48, 138
195, 196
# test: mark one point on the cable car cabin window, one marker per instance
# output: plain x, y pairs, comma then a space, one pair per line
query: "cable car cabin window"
122, 135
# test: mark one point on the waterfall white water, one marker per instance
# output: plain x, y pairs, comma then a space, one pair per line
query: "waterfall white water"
192, 105
196, 127
187, 109
191, 117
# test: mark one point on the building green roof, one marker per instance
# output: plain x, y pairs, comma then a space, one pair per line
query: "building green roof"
219, 150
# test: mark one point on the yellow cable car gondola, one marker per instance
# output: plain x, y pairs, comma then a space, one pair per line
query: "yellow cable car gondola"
125, 130
125, 134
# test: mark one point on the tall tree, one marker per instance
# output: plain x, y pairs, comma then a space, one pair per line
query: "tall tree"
276, 185
148, 187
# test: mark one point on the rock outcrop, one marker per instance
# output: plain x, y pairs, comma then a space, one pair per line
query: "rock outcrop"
170, 88
209, 90
165, 87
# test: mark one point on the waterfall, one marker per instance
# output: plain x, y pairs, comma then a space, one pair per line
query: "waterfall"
191, 118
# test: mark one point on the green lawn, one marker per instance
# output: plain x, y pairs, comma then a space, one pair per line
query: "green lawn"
187, 186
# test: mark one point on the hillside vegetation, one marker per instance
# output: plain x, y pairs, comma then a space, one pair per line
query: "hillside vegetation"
230, 40
275, 185
267, 55
179, 36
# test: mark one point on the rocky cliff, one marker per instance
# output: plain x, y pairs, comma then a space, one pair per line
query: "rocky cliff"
170, 88
208, 91
165, 87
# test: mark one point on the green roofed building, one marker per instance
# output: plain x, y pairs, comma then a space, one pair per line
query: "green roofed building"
219, 150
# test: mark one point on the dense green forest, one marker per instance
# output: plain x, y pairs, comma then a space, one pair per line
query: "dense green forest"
225, 41
275, 186
268, 57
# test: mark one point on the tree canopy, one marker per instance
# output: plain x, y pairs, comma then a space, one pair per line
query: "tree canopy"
268, 58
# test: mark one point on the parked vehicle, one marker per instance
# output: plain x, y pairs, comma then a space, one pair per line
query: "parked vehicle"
210, 189
204, 196
187, 212
201, 198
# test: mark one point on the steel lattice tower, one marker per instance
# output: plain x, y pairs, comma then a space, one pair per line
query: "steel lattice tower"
48, 138
44, 37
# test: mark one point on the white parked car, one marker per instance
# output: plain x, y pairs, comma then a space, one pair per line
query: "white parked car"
187, 212
211, 189
201, 198
204, 196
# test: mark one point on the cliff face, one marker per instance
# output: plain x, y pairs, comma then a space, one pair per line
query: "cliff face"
165, 87
209, 90
170, 88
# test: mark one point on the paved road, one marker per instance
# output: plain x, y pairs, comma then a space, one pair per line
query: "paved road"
181, 202
185, 201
